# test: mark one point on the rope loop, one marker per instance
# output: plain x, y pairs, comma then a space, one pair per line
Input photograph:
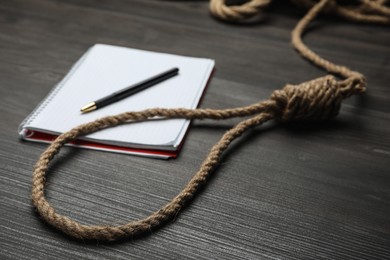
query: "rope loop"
369, 11
237, 13
317, 99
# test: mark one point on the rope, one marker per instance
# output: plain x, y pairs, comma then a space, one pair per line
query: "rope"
370, 11
317, 99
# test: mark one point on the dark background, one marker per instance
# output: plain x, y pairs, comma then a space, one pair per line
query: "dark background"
319, 190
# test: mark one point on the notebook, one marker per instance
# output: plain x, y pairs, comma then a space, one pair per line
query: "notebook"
104, 69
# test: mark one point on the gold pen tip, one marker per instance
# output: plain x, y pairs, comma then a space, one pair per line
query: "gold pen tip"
88, 107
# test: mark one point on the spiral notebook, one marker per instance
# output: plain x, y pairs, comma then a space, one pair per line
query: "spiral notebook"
104, 69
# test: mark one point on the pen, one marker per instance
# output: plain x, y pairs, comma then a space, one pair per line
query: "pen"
128, 91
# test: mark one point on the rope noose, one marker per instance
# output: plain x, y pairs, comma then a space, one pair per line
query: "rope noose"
317, 99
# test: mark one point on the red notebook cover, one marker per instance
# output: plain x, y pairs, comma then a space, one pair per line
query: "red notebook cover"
48, 138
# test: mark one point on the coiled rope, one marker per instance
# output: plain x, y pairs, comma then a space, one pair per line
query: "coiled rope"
317, 99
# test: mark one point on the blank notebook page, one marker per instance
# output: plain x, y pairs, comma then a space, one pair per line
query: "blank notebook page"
105, 69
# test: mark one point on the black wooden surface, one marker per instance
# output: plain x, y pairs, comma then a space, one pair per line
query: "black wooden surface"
313, 191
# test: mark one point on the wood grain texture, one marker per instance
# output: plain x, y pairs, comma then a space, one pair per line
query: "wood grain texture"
312, 191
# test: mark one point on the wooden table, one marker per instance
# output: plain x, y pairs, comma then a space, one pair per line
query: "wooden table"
309, 190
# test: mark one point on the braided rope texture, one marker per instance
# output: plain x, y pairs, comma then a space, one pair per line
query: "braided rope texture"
317, 99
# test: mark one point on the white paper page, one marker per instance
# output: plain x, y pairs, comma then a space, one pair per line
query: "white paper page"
107, 69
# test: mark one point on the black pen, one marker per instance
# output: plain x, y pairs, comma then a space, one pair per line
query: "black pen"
131, 90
